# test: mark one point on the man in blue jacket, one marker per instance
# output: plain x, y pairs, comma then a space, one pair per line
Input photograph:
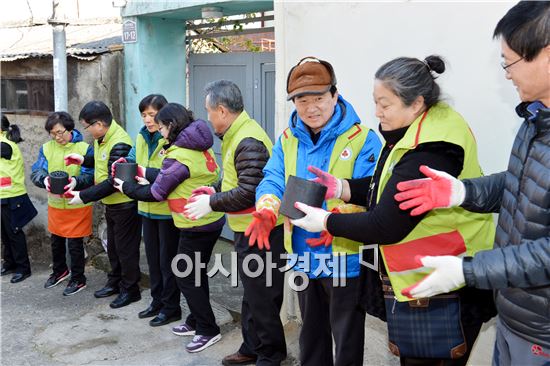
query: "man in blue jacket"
518, 268
324, 131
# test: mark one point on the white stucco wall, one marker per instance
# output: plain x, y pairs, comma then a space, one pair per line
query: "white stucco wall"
358, 37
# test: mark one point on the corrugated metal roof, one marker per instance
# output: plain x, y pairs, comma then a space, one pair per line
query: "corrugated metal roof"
83, 41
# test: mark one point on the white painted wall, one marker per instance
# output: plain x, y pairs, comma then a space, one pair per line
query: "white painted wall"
358, 37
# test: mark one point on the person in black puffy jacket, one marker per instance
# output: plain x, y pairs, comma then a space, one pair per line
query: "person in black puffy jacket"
518, 268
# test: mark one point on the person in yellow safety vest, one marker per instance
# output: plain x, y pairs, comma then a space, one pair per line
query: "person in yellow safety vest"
160, 235
245, 149
324, 131
66, 223
111, 143
517, 269
188, 163
17, 209
418, 129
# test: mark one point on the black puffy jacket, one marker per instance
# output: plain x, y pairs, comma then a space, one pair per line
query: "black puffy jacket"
251, 156
518, 267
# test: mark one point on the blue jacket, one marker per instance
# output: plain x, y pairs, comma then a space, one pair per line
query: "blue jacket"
318, 155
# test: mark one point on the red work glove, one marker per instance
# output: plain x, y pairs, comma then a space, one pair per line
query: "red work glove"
73, 158
439, 190
333, 184
325, 239
259, 229
113, 166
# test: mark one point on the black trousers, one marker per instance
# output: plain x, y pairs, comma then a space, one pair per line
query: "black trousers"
197, 295
262, 330
123, 238
470, 334
14, 244
76, 251
329, 311
161, 246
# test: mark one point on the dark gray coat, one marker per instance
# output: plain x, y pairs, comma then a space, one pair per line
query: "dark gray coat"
518, 267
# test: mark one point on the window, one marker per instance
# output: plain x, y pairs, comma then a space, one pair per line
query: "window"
27, 95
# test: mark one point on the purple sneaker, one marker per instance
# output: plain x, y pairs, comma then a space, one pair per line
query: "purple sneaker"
183, 330
201, 342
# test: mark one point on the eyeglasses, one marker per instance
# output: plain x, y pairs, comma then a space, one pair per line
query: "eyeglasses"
94, 122
57, 134
505, 67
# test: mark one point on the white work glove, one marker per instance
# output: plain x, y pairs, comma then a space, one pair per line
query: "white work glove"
75, 200
118, 183
74, 158
198, 206
315, 219
71, 185
447, 276
439, 190
142, 181
47, 183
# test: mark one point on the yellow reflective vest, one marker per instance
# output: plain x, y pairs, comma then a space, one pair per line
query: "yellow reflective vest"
203, 171
114, 135
450, 231
12, 172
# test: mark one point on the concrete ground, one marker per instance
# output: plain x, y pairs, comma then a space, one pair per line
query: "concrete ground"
41, 327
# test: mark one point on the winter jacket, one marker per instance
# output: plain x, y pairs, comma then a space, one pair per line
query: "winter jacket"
39, 170
318, 154
251, 157
196, 136
518, 268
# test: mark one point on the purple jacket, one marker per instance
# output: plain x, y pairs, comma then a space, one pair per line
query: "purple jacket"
196, 136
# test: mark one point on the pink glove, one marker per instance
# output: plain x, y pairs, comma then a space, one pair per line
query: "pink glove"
47, 183
73, 158
113, 166
71, 185
203, 190
141, 171
439, 190
333, 184
259, 229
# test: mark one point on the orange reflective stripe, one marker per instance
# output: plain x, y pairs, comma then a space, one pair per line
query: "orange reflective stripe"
177, 204
401, 257
73, 223
5, 182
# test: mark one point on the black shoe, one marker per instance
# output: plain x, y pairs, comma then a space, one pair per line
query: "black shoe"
18, 277
106, 292
56, 279
125, 298
74, 287
6, 271
163, 319
149, 312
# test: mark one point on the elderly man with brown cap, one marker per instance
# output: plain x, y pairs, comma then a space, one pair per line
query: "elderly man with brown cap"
324, 135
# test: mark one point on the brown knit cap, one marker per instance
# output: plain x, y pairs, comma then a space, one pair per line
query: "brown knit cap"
310, 76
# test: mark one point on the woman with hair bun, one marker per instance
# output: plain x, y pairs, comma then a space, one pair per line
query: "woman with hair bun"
17, 209
419, 130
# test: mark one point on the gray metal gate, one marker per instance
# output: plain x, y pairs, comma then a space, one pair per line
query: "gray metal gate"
254, 74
